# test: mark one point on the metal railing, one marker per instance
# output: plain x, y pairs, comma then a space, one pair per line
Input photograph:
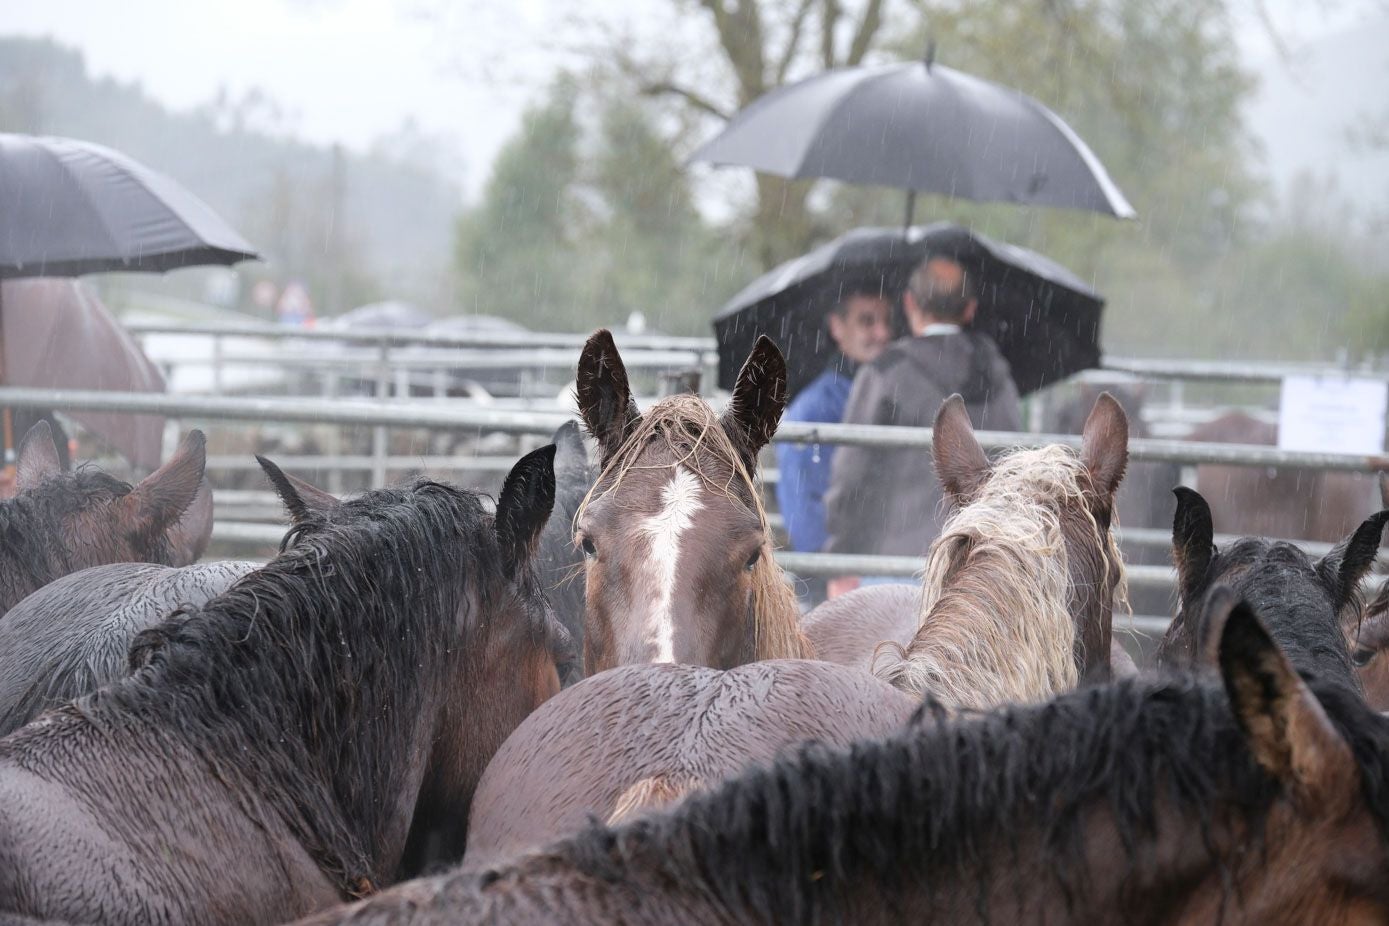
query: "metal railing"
703, 351
461, 414
465, 415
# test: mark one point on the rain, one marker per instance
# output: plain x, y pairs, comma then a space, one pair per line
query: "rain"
740, 461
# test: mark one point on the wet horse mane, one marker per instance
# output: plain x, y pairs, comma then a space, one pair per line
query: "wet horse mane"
31, 524
946, 796
995, 623
697, 440
338, 640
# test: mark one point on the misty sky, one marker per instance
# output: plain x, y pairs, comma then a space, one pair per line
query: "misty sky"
353, 70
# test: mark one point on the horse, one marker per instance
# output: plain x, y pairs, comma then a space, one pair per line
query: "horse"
1287, 502
318, 717
677, 552
61, 522
1304, 602
73, 635
1254, 798
1019, 589
638, 737
1367, 635
560, 561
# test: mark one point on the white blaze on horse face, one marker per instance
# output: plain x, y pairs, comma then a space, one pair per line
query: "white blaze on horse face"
679, 502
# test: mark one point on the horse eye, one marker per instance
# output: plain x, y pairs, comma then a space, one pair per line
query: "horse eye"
1362, 657
753, 559
587, 545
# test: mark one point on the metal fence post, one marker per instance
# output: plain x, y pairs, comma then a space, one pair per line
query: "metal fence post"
378, 434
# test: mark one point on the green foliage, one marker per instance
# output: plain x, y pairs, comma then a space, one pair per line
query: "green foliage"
578, 229
513, 253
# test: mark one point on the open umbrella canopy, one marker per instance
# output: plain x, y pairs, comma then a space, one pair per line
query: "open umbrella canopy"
1043, 317
71, 207
58, 335
919, 127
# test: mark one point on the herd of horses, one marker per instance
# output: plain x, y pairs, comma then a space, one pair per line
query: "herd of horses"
596, 699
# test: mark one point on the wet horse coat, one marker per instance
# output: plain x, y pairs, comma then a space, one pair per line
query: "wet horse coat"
638, 737
310, 717
72, 636
1255, 800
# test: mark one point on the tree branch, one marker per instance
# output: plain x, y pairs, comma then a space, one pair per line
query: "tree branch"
829, 18
740, 34
793, 41
694, 98
867, 28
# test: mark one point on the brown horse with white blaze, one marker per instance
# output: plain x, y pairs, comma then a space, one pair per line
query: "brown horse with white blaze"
678, 554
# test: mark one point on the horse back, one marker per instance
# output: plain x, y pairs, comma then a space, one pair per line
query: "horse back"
847, 630
634, 738
98, 828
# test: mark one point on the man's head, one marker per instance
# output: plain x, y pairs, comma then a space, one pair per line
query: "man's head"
939, 291
861, 324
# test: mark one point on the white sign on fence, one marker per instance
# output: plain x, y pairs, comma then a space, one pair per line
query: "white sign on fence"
1332, 415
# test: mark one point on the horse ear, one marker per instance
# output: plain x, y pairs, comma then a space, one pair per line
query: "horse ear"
605, 398
961, 463
1104, 445
1215, 613
37, 459
162, 497
1193, 541
1342, 569
1283, 724
528, 495
301, 499
759, 398
191, 533
570, 452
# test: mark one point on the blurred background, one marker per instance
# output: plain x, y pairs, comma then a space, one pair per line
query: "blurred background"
524, 160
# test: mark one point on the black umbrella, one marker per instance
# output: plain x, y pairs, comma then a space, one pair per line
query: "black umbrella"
71, 207
1045, 320
919, 127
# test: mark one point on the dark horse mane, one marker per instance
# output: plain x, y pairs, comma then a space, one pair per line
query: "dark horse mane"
332, 643
30, 523
945, 796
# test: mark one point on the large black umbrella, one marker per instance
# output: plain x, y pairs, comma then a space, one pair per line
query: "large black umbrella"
71, 207
1044, 318
919, 127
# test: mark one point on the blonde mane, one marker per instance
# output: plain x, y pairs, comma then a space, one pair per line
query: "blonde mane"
994, 621
697, 440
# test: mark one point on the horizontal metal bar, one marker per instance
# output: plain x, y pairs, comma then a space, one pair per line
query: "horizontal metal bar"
1224, 371
451, 415
1140, 366
395, 337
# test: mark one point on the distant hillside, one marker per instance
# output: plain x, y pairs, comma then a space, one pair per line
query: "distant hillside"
1303, 110
397, 218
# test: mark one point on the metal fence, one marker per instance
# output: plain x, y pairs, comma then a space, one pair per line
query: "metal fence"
462, 415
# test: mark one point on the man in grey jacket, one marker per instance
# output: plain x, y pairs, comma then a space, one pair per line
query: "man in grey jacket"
890, 501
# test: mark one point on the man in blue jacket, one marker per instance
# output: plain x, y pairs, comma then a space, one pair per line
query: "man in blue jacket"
861, 326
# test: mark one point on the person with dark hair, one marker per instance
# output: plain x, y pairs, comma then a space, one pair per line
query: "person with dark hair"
888, 501
860, 324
